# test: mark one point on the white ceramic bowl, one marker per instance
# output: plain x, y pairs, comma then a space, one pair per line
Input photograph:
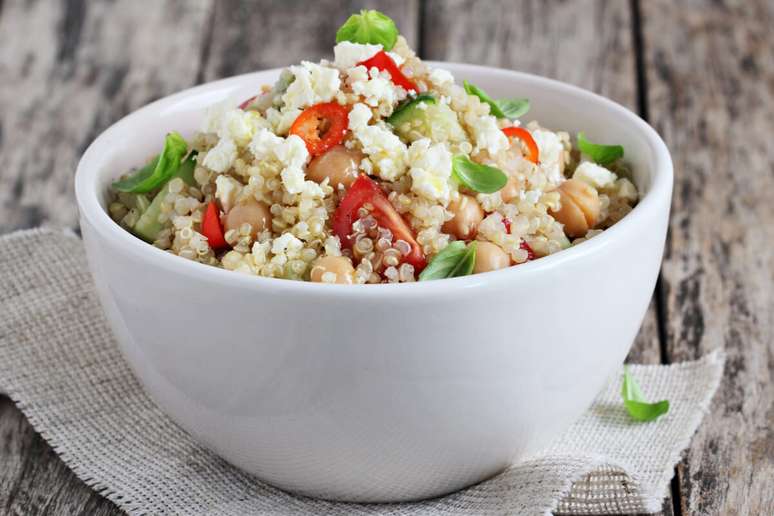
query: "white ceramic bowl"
379, 392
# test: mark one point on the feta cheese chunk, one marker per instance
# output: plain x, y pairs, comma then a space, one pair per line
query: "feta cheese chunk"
312, 84
372, 84
441, 78
222, 156
594, 175
226, 190
488, 135
348, 54
551, 153
431, 166
289, 152
385, 151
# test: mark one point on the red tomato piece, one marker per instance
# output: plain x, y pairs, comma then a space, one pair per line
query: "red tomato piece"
383, 62
522, 134
212, 229
365, 190
321, 126
507, 224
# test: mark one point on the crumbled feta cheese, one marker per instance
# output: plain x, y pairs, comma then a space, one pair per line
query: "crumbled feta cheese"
233, 123
286, 243
594, 175
348, 54
386, 152
222, 156
430, 170
226, 190
441, 78
281, 121
374, 85
488, 135
312, 84
551, 153
626, 190
290, 152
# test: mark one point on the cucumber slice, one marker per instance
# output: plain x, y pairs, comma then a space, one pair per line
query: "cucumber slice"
424, 117
148, 226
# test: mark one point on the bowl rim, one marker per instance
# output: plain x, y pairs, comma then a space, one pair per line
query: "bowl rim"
89, 207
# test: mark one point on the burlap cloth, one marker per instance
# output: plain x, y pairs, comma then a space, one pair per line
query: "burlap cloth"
60, 365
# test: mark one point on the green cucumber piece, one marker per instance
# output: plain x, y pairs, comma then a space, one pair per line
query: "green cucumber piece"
434, 120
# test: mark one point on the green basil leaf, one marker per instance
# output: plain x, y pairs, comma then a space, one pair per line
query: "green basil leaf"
454, 260
159, 170
502, 108
477, 177
369, 27
513, 108
472, 89
602, 154
634, 401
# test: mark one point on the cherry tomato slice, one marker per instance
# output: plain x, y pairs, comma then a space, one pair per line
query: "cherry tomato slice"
212, 229
321, 126
383, 62
365, 190
522, 134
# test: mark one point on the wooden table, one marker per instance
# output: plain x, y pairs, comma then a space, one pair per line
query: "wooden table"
700, 71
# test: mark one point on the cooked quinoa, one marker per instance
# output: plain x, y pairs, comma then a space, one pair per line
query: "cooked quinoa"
346, 171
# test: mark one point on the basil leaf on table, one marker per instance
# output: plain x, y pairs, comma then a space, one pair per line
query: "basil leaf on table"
634, 401
477, 177
454, 260
159, 170
503, 108
601, 154
369, 27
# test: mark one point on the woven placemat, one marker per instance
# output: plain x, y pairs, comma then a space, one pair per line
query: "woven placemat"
61, 366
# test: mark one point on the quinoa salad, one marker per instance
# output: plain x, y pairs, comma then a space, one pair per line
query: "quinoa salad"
372, 168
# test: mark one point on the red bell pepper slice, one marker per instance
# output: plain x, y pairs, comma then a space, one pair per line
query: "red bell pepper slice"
522, 134
365, 190
383, 62
212, 229
321, 126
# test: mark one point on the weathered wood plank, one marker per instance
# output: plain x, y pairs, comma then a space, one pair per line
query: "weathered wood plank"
68, 70
588, 44
711, 95
249, 36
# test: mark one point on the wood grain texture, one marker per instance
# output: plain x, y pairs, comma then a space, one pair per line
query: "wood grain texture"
710, 92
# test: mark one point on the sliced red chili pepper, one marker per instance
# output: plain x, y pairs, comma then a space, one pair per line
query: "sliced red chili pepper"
321, 126
212, 229
365, 190
522, 134
383, 62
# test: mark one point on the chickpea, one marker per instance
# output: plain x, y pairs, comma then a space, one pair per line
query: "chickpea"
490, 257
579, 209
340, 165
255, 213
510, 191
467, 216
338, 265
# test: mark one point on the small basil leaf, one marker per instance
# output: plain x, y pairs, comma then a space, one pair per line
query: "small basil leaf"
602, 154
472, 89
634, 401
369, 27
477, 177
159, 170
454, 260
513, 108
